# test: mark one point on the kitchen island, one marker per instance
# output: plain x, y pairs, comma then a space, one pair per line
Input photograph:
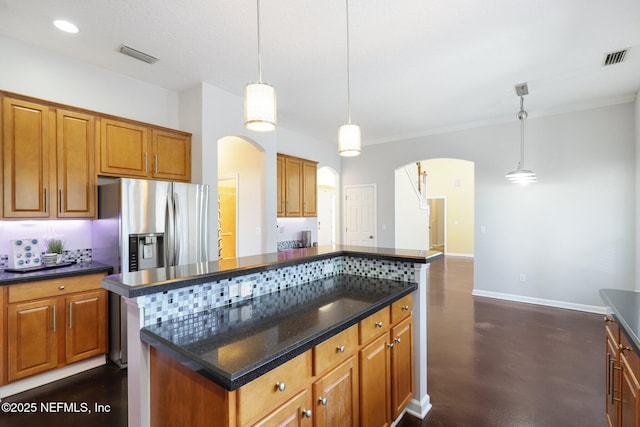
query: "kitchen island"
237, 320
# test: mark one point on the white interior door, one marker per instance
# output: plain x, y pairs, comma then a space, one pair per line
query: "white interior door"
360, 215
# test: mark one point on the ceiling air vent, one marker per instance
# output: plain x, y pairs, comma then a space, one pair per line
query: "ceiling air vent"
134, 53
616, 57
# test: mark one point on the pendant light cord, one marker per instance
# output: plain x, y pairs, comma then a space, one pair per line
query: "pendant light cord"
522, 115
348, 73
259, 55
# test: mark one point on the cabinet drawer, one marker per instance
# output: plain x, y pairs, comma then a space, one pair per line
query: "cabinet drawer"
263, 393
401, 308
53, 287
374, 325
334, 350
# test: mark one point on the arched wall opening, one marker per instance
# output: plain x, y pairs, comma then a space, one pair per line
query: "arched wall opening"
436, 211
241, 194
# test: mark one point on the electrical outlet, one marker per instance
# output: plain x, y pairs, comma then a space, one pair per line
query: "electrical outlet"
233, 290
246, 289
523, 277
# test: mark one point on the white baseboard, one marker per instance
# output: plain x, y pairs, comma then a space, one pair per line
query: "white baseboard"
419, 408
540, 301
459, 255
51, 376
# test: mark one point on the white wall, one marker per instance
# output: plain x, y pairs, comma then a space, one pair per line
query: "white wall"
637, 254
571, 233
411, 222
31, 71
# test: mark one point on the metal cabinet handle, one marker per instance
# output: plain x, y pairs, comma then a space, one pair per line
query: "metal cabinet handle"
61, 287
378, 324
60, 196
340, 348
623, 348
323, 401
405, 307
281, 386
397, 340
390, 345
54, 319
70, 315
46, 200
156, 163
146, 161
307, 413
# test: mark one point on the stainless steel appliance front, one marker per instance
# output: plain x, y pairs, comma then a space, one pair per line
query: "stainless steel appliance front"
147, 224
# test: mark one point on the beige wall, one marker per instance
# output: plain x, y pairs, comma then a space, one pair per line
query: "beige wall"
453, 179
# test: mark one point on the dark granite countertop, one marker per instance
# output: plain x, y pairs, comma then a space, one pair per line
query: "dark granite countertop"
156, 280
82, 268
234, 345
625, 308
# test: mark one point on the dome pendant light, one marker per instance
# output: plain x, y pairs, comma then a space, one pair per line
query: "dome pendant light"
521, 175
349, 134
259, 98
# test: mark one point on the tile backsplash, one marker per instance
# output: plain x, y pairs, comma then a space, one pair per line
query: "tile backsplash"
172, 304
77, 255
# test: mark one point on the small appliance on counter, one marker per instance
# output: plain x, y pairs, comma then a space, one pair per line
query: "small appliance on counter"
305, 237
25, 253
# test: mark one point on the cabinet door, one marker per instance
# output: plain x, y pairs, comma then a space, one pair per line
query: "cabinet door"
401, 366
123, 149
336, 396
310, 188
293, 186
629, 404
75, 144
375, 383
296, 412
171, 156
281, 185
32, 338
28, 159
86, 324
612, 395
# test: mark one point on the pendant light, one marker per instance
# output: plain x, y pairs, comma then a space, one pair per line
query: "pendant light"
259, 98
349, 135
521, 175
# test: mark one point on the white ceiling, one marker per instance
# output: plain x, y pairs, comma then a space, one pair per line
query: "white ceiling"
417, 66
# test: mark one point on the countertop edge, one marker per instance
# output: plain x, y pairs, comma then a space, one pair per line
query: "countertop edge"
114, 283
624, 325
233, 382
79, 269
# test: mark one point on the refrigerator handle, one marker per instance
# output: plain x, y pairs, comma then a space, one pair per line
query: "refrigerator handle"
168, 234
177, 230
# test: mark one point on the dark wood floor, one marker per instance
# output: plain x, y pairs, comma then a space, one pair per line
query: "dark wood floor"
490, 363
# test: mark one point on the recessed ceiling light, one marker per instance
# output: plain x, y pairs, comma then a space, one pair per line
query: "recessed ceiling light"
65, 26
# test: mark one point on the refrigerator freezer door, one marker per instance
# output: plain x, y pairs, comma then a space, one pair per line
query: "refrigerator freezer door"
144, 207
191, 203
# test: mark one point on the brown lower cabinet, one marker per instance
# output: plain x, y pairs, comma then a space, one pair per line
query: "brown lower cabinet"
362, 376
622, 373
52, 323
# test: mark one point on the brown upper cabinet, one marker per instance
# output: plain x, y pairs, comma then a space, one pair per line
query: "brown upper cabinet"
51, 155
132, 150
297, 187
48, 161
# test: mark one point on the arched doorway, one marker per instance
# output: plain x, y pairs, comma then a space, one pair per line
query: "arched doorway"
444, 197
241, 197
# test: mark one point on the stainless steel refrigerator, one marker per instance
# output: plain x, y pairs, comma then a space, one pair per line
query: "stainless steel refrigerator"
147, 224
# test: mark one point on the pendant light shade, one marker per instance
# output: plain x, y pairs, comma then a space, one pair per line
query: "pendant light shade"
349, 140
259, 107
259, 98
349, 134
521, 175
